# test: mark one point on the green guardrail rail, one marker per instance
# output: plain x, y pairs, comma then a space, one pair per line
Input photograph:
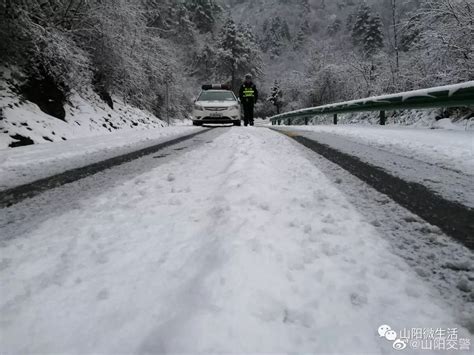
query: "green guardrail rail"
459, 95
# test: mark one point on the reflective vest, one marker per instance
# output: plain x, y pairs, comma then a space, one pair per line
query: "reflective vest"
249, 92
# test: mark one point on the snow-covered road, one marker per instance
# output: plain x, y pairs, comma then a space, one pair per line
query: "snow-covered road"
452, 184
453, 149
24, 165
239, 245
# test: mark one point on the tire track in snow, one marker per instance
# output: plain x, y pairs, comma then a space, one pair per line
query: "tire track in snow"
20, 193
453, 218
23, 217
242, 245
435, 257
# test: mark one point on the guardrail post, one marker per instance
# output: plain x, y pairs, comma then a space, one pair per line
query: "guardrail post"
306, 121
335, 118
279, 122
383, 118
289, 122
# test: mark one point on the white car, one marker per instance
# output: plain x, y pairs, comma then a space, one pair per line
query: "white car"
216, 105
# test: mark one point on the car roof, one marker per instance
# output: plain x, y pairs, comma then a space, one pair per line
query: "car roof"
216, 90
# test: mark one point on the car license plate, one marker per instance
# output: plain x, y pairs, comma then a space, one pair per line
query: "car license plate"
216, 114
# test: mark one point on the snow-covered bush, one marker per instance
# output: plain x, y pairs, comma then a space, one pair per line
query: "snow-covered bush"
39, 37
138, 50
441, 51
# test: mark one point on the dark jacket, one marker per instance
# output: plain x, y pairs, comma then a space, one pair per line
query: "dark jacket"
248, 94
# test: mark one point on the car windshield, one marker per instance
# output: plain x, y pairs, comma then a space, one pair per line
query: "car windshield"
216, 96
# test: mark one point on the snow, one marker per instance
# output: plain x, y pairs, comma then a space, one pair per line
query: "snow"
86, 115
452, 149
451, 184
91, 132
253, 249
447, 123
405, 118
452, 89
22, 165
437, 258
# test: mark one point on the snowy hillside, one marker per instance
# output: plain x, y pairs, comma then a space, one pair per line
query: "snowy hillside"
320, 52
23, 122
155, 53
256, 13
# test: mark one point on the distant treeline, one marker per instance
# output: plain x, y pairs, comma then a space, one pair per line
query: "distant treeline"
310, 52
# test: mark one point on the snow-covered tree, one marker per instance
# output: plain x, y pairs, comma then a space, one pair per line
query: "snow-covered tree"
118, 46
38, 35
276, 96
204, 14
373, 40
443, 32
302, 36
367, 31
276, 35
360, 24
141, 50
205, 64
335, 27
237, 52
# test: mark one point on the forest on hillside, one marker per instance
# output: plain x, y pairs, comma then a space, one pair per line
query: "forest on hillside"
302, 52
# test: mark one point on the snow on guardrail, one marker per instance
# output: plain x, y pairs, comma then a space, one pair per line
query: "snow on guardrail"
457, 95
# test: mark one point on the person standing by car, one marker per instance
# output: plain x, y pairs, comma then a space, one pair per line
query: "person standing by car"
248, 95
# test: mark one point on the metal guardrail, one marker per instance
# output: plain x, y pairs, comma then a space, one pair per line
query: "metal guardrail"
459, 95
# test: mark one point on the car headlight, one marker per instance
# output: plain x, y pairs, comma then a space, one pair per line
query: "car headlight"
198, 107
235, 107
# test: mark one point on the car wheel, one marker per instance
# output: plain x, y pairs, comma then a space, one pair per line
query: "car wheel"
237, 123
196, 123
